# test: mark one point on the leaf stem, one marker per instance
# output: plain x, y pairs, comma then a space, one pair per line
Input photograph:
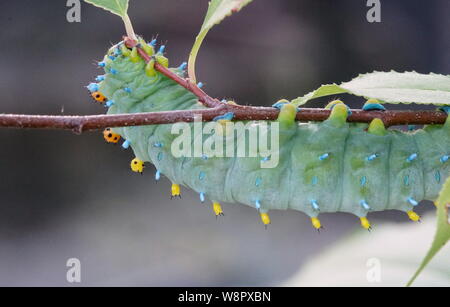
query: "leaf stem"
129, 27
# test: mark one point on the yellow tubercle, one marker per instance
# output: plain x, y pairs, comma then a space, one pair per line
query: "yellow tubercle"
217, 208
125, 51
162, 60
150, 68
339, 113
110, 136
99, 97
134, 55
147, 48
265, 218
223, 128
330, 105
373, 100
413, 216
377, 127
365, 223
137, 165
176, 190
316, 223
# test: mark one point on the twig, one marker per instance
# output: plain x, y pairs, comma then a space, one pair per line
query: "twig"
204, 98
79, 124
215, 108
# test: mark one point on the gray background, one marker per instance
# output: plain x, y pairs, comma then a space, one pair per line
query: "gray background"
65, 196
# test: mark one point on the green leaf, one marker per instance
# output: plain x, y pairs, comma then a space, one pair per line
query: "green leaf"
118, 7
443, 228
391, 87
217, 11
324, 90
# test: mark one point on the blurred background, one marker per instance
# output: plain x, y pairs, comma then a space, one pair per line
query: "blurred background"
68, 196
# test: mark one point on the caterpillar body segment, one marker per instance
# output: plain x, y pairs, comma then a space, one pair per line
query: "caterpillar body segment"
329, 166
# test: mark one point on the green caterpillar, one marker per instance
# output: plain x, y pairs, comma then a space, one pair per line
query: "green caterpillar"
331, 166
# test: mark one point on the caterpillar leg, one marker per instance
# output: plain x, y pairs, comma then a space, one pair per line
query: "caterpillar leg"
265, 218
217, 208
413, 216
316, 223
175, 191
365, 223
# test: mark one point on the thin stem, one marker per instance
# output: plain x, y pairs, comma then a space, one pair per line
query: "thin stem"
204, 98
129, 27
79, 124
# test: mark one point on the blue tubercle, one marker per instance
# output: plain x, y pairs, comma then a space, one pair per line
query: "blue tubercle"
373, 107
315, 205
101, 64
372, 157
365, 205
324, 156
278, 105
157, 175
153, 42
113, 71
445, 109
258, 181
161, 49
265, 159
257, 204
100, 78
437, 176
445, 158
158, 145
109, 103
201, 175
182, 66
128, 90
363, 180
226, 116
412, 201
92, 87
126, 144
412, 157
202, 197
112, 58
200, 84
406, 180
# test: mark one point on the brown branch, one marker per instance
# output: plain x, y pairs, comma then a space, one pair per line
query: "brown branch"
204, 98
79, 124
215, 108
